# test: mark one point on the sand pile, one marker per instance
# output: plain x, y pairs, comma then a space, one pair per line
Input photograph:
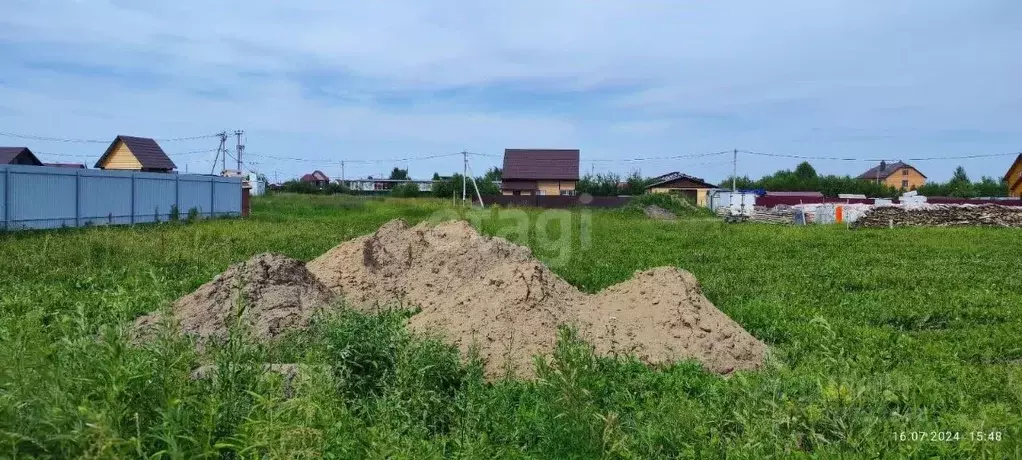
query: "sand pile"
474, 289
657, 213
273, 293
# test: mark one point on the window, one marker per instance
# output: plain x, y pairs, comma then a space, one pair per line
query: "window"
567, 193
904, 184
517, 193
904, 172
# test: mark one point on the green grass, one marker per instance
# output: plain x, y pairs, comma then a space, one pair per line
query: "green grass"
873, 333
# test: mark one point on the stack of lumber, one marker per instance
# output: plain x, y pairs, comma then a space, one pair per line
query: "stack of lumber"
943, 215
777, 215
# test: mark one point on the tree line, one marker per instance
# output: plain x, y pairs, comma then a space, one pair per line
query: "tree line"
805, 179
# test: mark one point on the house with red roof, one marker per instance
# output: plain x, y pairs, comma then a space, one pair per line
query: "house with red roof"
540, 172
316, 178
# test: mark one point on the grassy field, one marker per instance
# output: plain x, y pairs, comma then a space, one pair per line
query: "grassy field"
876, 336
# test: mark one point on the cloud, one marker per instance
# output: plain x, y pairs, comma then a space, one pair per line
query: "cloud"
332, 80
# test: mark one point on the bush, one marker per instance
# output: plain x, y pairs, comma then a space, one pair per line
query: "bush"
680, 206
405, 190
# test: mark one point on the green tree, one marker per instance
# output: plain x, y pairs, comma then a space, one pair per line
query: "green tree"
399, 174
805, 171
493, 174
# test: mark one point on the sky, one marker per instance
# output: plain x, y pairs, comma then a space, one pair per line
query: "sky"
313, 83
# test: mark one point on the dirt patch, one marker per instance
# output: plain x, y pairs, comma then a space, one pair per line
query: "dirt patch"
488, 291
273, 293
657, 213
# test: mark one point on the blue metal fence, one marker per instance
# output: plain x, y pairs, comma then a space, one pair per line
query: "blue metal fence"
49, 197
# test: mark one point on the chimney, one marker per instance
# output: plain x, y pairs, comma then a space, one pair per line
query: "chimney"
883, 165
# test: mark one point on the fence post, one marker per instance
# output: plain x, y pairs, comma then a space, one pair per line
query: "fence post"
78, 198
132, 198
212, 196
7, 198
177, 193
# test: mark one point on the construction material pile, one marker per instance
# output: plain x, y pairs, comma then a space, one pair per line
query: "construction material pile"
943, 215
780, 214
269, 293
487, 291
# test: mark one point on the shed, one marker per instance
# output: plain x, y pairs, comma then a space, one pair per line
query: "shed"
18, 156
135, 154
694, 188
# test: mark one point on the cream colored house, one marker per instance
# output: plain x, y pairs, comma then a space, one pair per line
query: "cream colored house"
693, 188
902, 176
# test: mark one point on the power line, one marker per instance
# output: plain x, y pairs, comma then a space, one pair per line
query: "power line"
95, 141
338, 162
874, 160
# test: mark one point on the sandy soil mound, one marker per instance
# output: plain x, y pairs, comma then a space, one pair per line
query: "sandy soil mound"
661, 316
657, 213
475, 289
277, 293
470, 288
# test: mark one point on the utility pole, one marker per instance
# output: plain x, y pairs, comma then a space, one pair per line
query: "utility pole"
464, 177
342, 171
734, 174
221, 152
240, 147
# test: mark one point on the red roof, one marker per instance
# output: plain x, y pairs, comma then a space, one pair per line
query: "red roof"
797, 194
65, 165
315, 176
540, 164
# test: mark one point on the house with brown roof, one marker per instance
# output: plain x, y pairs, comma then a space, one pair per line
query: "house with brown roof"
693, 188
129, 153
18, 156
899, 175
316, 178
540, 172
1014, 178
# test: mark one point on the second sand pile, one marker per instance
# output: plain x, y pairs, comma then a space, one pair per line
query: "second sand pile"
486, 291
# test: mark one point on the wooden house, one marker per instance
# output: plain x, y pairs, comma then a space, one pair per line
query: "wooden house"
129, 153
1014, 178
540, 172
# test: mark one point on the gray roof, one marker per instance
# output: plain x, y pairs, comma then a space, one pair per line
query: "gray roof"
889, 168
8, 154
145, 150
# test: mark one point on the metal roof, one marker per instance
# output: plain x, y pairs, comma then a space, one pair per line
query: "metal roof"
888, 169
8, 154
540, 164
146, 151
